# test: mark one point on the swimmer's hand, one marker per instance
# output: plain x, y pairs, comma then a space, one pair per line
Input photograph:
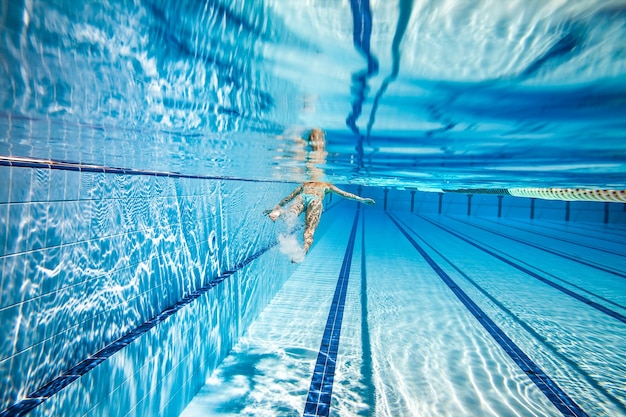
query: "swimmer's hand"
274, 214
369, 201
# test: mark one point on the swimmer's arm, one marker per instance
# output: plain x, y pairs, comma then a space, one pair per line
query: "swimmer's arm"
351, 196
276, 211
289, 197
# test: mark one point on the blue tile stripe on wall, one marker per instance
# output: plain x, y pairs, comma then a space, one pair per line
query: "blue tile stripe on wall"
321, 388
42, 394
530, 273
74, 166
551, 390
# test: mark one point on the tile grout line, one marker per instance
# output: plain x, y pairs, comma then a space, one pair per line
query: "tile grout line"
42, 394
75, 166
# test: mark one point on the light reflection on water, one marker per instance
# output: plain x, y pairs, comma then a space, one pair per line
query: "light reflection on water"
436, 95
427, 355
117, 261
503, 87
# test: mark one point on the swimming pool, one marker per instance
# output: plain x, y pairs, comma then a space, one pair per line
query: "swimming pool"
482, 319
141, 141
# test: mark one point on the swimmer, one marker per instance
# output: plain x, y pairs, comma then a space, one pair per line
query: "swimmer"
308, 197
317, 140
316, 158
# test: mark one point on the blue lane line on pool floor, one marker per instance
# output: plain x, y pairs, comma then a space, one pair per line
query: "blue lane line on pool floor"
548, 250
551, 390
530, 273
572, 228
51, 388
321, 389
549, 236
367, 373
547, 344
577, 287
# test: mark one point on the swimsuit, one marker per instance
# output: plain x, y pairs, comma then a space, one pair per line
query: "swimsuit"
308, 198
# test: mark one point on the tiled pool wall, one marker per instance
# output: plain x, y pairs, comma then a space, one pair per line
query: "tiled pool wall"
492, 205
86, 257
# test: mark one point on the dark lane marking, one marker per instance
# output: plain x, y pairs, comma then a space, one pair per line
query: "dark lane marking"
321, 389
362, 33
404, 14
564, 49
75, 166
587, 377
578, 287
366, 366
361, 36
551, 390
42, 394
554, 252
609, 251
530, 273
581, 228
575, 228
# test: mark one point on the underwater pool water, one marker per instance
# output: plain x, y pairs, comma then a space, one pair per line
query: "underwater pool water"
141, 140
423, 94
462, 316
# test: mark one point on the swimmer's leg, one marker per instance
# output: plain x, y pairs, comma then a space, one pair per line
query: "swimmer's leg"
297, 207
290, 216
311, 220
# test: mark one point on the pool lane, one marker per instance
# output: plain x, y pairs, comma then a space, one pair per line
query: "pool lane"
612, 262
598, 240
430, 355
555, 394
580, 347
321, 389
413, 343
613, 232
517, 265
598, 285
270, 370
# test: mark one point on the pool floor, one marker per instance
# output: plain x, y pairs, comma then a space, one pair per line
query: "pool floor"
442, 316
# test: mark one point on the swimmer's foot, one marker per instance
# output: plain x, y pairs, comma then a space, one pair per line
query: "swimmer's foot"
298, 257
